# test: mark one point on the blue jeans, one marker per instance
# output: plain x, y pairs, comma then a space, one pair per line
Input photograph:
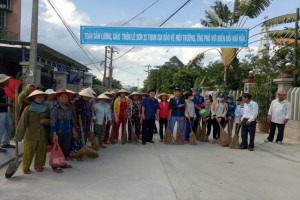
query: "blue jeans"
5, 127
180, 122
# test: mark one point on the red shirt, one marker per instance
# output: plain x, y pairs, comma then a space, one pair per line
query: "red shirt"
123, 108
164, 109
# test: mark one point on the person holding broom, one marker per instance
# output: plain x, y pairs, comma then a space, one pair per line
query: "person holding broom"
84, 108
164, 113
190, 115
149, 114
239, 110
63, 128
199, 104
120, 108
218, 112
33, 127
134, 114
102, 117
109, 101
177, 104
208, 101
230, 114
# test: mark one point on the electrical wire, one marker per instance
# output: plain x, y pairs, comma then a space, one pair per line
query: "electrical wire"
188, 1
84, 50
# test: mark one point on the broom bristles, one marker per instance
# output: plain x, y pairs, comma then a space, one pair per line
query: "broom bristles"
234, 142
123, 137
193, 138
111, 137
95, 144
134, 138
179, 139
203, 133
168, 138
224, 137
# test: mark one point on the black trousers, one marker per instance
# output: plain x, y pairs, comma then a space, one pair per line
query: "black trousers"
248, 129
148, 126
280, 132
196, 123
208, 126
216, 131
64, 142
162, 122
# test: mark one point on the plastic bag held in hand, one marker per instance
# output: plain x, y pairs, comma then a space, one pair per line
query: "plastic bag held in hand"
57, 158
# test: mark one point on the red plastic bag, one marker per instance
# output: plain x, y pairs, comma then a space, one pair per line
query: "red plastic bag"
57, 158
10, 88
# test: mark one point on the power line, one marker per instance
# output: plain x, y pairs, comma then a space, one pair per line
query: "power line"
140, 13
84, 50
158, 26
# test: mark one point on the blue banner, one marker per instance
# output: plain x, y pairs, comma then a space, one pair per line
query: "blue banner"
134, 36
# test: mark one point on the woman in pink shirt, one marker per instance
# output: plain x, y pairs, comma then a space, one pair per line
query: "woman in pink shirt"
164, 113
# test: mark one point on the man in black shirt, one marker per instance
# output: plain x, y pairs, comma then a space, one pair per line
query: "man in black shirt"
5, 120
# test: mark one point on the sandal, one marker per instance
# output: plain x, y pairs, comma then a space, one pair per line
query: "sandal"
58, 170
28, 171
67, 166
39, 169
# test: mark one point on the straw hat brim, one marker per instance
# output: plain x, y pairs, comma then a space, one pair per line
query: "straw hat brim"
4, 79
35, 93
71, 95
163, 94
86, 93
123, 91
103, 96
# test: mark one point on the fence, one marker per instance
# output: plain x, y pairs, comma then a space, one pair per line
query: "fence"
293, 96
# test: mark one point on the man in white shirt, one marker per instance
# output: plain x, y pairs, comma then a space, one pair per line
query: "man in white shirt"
248, 122
279, 114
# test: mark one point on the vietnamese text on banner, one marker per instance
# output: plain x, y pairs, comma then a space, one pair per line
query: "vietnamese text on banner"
207, 37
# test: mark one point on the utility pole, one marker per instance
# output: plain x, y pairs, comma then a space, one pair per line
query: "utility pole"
148, 67
105, 61
138, 84
33, 40
110, 74
296, 46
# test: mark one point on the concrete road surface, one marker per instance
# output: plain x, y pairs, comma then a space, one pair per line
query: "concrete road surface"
163, 172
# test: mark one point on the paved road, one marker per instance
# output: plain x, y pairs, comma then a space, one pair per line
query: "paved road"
163, 172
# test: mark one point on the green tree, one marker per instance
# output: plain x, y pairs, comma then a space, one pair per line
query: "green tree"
116, 84
96, 81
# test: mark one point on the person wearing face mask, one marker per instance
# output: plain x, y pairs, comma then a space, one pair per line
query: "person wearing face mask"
230, 114
208, 101
239, 110
33, 127
189, 114
218, 112
199, 104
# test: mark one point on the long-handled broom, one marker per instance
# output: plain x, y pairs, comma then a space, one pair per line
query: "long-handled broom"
85, 151
203, 135
124, 133
193, 138
235, 140
111, 137
178, 138
134, 138
223, 135
198, 131
168, 138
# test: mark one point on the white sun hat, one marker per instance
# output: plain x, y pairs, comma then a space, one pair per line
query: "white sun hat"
103, 96
50, 91
3, 78
36, 92
86, 93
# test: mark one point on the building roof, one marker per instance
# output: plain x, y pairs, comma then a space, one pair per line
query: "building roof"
44, 52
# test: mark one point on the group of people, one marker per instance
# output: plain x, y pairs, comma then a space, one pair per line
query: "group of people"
59, 116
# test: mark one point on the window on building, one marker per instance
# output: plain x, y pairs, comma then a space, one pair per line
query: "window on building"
2, 19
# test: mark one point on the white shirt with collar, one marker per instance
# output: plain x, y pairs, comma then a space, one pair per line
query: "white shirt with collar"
250, 111
279, 111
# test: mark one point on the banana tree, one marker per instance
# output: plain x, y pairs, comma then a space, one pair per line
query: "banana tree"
220, 15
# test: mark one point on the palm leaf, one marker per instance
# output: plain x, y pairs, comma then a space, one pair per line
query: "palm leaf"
283, 19
255, 7
285, 42
283, 34
228, 55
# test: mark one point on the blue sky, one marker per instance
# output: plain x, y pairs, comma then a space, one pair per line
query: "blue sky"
116, 12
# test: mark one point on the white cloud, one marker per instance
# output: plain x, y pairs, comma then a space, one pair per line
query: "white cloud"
67, 9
